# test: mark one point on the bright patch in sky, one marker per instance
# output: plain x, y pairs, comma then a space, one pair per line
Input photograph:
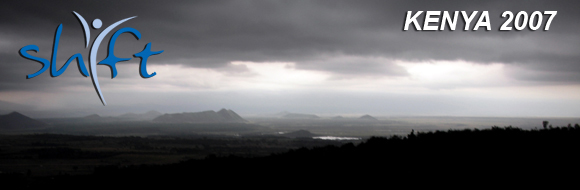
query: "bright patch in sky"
280, 75
457, 74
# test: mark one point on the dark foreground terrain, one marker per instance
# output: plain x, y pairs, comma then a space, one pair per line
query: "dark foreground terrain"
506, 153
53, 154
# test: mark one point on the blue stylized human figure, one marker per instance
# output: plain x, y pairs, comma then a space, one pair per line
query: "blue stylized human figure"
110, 61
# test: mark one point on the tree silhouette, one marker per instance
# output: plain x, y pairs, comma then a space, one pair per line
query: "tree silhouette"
545, 123
412, 134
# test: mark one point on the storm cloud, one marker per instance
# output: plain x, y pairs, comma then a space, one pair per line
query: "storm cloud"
341, 39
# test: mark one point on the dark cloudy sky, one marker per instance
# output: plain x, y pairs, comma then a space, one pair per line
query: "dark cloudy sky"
323, 57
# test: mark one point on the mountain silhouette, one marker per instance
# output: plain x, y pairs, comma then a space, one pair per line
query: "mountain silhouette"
230, 115
92, 116
150, 115
16, 120
368, 117
210, 116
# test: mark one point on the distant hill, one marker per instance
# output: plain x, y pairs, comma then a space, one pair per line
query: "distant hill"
222, 116
92, 116
368, 117
230, 115
300, 116
16, 120
150, 115
98, 118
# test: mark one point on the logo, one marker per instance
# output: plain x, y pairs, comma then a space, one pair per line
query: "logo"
110, 60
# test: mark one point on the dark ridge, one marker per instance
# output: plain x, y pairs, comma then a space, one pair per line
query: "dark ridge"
210, 116
93, 116
16, 120
368, 117
230, 115
150, 115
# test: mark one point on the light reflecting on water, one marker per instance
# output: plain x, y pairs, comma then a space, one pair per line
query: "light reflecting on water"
336, 138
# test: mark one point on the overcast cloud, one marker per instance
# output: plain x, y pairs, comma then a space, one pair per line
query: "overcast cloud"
256, 56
